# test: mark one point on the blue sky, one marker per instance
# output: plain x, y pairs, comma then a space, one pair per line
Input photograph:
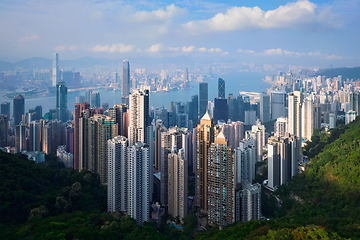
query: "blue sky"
285, 32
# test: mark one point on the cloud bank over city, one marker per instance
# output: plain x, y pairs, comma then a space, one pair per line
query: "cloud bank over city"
295, 31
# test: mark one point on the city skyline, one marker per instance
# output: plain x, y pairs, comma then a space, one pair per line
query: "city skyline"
313, 32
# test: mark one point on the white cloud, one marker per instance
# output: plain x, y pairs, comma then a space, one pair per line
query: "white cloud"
155, 48
174, 49
202, 49
292, 15
188, 49
158, 15
28, 38
214, 50
286, 53
119, 47
62, 48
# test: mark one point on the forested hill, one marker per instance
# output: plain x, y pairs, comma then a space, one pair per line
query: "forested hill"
345, 72
328, 192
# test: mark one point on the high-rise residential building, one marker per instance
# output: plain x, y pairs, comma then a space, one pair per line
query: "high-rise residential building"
234, 133
284, 154
138, 116
280, 127
317, 116
203, 98
177, 183
125, 86
204, 135
117, 112
350, 116
251, 202
55, 70
307, 121
117, 174
94, 133
173, 137
221, 88
220, 183
139, 174
294, 113
18, 109
220, 109
95, 99
250, 117
159, 128
77, 113
5, 109
245, 159
278, 104
61, 102
355, 102
332, 120
34, 137
264, 108
20, 137
3, 130
257, 135
69, 139
52, 135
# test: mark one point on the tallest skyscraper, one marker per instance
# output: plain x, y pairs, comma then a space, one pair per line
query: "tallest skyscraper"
55, 70
125, 87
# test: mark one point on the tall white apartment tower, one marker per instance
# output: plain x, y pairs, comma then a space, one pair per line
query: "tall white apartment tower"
117, 174
294, 113
138, 116
307, 115
138, 184
55, 70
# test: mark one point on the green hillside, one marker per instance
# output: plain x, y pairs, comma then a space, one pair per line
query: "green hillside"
345, 72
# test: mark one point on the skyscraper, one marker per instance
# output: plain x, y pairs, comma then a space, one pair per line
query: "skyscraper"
55, 70
278, 104
220, 183
220, 109
77, 114
205, 134
244, 162
34, 136
139, 175
203, 98
125, 87
3, 130
5, 109
61, 101
138, 116
307, 121
117, 174
95, 99
194, 110
251, 202
294, 113
159, 128
264, 108
18, 109
20, 137
117, 112
177, 183
221, 88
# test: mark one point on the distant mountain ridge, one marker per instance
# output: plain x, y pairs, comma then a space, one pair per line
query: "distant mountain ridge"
89, 62
344, 72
